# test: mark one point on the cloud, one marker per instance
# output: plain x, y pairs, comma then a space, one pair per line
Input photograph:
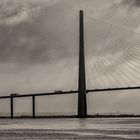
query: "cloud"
15, 12
36, 33
134, 3
23, 15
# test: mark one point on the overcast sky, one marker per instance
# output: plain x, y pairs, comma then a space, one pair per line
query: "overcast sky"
39, 51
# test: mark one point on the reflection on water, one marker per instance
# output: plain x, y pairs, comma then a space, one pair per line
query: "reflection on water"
97, 128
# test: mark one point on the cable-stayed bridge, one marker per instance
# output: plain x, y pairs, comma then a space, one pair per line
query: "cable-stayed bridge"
114, 61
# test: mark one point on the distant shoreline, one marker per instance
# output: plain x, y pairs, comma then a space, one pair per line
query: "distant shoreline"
74, 116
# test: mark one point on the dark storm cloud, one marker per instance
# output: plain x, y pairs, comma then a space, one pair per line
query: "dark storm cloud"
36, 34
132, 2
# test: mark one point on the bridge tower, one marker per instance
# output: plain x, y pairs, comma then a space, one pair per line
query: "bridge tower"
82, 104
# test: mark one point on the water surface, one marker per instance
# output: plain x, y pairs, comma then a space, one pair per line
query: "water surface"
91, 128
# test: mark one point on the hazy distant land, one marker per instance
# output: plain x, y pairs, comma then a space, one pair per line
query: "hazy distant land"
66, 115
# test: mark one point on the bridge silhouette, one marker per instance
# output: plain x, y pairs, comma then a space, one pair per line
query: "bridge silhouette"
82, 91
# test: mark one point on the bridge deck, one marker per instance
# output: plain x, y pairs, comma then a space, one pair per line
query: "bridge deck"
70, 92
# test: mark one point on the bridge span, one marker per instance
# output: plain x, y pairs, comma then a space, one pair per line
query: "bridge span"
82, 91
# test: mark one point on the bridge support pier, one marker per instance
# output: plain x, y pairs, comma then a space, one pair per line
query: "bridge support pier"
11, 102
33, 106
82, 104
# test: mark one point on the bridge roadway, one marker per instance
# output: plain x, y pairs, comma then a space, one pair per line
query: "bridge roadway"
12, 96
69, 92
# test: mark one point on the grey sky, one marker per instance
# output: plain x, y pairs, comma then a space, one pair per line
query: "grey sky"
39, 48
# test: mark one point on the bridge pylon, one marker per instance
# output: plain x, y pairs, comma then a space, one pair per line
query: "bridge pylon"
82, 103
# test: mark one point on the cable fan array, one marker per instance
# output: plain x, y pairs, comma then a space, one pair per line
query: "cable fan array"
112, 55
